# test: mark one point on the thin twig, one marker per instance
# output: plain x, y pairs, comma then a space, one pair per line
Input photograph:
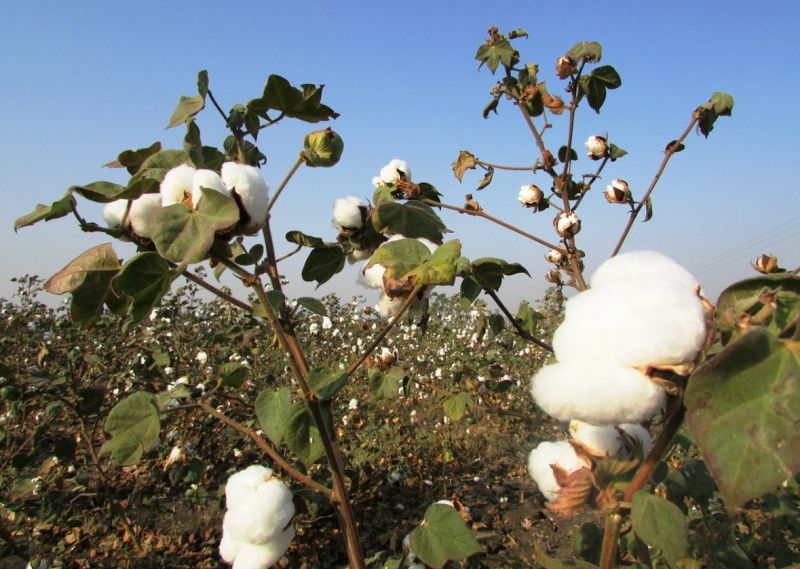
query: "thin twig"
220, 293
287, 255
588, 185
510, 168
522, 332
300, 162
219, 109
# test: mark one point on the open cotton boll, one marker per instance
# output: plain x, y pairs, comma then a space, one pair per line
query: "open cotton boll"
266, 513
248, 184
357, 255
114, 213
638, 432
394, 170
642, 265
632, 325
372, 277
229, 548
206, 179
263, 556
177, 185
540, 462
389, 307
608, 440
142, 210
596, 392
347, 213
243, 484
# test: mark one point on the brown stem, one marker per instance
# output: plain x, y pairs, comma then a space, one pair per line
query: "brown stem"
300, 162
376, 342
287, 255
485, 215
667, 155
608, 553
516, 324
220, 293
510, 168
588, 185
536, 134
266, 448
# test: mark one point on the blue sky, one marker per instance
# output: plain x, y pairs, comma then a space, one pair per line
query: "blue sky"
85, 80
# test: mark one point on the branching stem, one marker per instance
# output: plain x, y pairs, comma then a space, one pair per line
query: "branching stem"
522, 332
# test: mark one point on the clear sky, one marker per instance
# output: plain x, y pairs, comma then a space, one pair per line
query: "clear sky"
84, 80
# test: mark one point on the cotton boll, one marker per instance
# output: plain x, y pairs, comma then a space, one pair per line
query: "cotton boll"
347, 213
252, 190
596, 392
357, 255
263, 556
394, 171
229, 548
114, 213
599, 441
206, 179
267, 512
142, 211
177, 185
642, 266
632, 325
639, 433
553, 453
243, 484
389, 307
372, 277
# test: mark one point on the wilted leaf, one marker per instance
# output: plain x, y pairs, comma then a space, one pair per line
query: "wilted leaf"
300, 238
440, 268
280, 95
743, 407
274, 408
720, 105
443, 536
527, 318
648, 209
465, 161
487, 178
134, 426
41, 212
491, 107
660, 524
588, 51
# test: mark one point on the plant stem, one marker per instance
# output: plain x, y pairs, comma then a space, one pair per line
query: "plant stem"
667, 155
588, 185
485, 215
376, 342
523, 333
300, 162
499, 167
608, 553
536, 134
220, 293
287, 255
266, 448
219, 109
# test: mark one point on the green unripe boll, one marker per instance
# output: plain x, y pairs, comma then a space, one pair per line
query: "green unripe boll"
322, 148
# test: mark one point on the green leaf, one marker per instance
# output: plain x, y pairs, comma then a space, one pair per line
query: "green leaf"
303, 437
608, 75
443, 536
456, 405
250, 257
615, 152
322, 263
152, 171
190, 106
440, 268
88, 277
276, 300
496, 323
518, 33
184, 235
660, 524
743, 407
274, 409
192, 144
528, 318
494, 55
412, 219
587, 542
562, 154
326, 383
594, 90
101, 192
386, 385
132, 159
300, 238
648, 209
41, 212
487, 178
489, 271
134, 426
313, 304
550, 563
280, 95
465, 161
146, 278
470, 290
720, 105
232, 374
491, 107
588, 51
747, 299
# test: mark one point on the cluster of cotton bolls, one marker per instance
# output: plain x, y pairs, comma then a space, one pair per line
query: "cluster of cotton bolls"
642, 313
182, 185
256, 530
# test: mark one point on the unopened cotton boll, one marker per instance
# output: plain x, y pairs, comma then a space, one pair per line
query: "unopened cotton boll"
596, 392
177, 185
142, 210
248, 184
395, 170
544, 457
638, 266
347, 213
263, 556
633, 325
206, 179
267, 512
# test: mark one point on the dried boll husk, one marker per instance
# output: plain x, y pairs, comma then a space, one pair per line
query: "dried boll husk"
248, 184
633, 325
177, 185
596, 392
548, 454
642, 266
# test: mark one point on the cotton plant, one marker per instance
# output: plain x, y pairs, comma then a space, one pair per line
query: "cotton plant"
256, 529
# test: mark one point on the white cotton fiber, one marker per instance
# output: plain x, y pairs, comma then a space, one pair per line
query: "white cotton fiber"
596, 392
229, 548
243, 484
251, 189
206, 179
650, 266
391, 173
177, 185
545, 455
253, 556
347, 213
267, 511
608, 440
389, 307
633, 325
372, 277
639, 433
357, 255
114, 213
142, 210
